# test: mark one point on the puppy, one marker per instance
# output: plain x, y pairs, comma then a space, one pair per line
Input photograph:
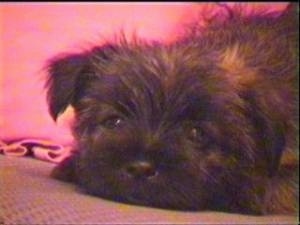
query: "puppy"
205, 123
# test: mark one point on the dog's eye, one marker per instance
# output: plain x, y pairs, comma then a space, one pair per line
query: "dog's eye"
112, 122
196, 133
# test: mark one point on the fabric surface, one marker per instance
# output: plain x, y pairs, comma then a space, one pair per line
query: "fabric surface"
38, 148
29, 196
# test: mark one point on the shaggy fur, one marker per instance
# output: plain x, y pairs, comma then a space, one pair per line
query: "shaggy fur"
205, 123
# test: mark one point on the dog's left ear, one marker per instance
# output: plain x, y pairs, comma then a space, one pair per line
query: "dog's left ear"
65, 80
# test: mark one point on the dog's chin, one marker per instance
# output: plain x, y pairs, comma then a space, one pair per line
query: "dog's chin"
147, 200
154, 192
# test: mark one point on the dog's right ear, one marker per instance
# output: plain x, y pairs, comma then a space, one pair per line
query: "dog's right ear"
65, 79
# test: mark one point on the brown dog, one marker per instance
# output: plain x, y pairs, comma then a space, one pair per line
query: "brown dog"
205, 123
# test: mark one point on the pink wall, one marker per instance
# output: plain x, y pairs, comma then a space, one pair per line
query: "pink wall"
31, 33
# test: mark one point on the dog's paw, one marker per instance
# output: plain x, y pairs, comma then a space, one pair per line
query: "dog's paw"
65, 171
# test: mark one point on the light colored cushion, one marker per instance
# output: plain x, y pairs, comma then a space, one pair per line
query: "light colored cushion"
29, 196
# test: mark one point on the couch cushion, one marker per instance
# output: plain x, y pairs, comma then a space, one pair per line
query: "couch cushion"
29, 196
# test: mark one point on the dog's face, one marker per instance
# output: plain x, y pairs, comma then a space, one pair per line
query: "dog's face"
158, 126
165, 126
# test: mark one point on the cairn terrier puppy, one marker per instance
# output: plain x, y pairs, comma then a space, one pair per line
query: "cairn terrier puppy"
205, 123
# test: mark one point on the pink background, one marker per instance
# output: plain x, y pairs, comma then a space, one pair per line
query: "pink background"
31, 33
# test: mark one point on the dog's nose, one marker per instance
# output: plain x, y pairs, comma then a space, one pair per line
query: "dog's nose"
141, 169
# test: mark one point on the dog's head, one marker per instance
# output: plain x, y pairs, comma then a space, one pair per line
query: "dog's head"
191, 125
157, 126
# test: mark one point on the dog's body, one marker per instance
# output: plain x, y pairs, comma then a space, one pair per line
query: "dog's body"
206, 123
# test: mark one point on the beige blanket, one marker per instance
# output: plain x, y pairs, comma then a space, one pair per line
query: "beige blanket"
29, 196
